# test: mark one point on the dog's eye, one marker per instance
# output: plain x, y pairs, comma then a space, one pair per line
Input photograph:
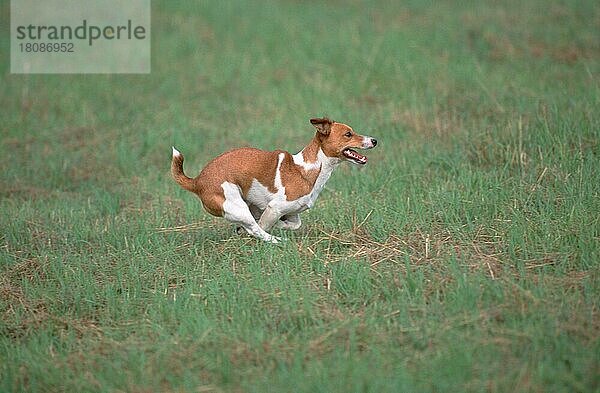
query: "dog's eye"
348, 134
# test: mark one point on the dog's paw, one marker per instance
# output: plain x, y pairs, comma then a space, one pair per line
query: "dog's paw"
289, 225
275, 239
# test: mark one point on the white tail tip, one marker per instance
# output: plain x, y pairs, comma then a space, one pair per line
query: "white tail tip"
175, 152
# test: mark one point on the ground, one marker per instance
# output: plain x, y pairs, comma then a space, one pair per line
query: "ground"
463, 257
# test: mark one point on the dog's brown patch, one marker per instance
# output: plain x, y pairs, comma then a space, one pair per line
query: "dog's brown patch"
297, 180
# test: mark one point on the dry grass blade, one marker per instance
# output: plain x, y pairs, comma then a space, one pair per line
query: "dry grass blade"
182, 228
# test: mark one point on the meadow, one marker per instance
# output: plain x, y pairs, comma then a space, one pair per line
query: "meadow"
463, 257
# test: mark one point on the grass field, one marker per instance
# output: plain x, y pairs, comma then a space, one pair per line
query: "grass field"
463, 257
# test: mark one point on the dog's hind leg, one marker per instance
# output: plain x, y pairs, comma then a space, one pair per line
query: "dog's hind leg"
236, 210
256, 213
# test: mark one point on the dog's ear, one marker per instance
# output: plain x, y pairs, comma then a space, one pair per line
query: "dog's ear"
322, 124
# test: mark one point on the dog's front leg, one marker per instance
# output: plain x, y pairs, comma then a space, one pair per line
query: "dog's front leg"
270, 216
289, 221
277, 209
256, 212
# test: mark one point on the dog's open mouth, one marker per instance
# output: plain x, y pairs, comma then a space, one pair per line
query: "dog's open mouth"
353, 156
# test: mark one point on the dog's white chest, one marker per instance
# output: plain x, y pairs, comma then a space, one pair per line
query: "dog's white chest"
260, 196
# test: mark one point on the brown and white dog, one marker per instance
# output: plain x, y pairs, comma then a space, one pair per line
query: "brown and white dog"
257, 190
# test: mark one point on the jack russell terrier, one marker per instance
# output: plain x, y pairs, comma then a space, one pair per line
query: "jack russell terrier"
257, 190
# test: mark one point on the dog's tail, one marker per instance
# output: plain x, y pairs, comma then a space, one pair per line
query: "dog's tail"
177, 171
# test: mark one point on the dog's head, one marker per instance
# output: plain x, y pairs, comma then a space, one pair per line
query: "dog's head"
339, 140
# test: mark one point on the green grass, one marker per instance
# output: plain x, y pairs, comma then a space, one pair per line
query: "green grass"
463, 257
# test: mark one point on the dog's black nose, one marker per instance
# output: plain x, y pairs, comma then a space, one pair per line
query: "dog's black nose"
374, 142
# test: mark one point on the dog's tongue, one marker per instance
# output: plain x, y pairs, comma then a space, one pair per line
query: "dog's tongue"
355, 156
